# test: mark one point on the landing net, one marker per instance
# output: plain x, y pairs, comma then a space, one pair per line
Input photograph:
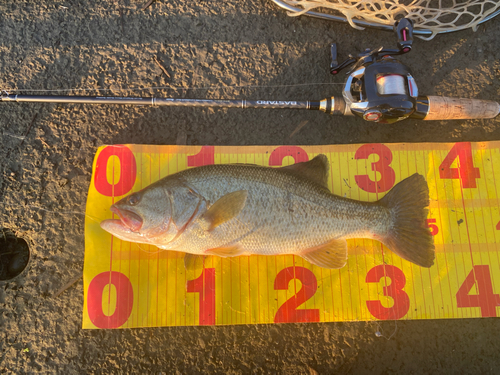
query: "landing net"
434, 15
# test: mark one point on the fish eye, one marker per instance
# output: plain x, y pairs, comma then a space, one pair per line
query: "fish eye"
133, 199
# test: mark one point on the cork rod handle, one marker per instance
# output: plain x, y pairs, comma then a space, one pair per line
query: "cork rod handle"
443, 108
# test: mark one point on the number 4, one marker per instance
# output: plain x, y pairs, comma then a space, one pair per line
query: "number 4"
485, 299
465, 171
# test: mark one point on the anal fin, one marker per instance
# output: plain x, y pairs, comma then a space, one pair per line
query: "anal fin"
225, 251
331, 255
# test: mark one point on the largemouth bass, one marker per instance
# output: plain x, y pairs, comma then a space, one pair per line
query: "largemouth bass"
240, 209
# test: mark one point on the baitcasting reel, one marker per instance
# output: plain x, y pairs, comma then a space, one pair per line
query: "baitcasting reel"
379, 88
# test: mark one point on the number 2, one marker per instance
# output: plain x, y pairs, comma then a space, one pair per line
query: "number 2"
297, 153
288, 312
204, 157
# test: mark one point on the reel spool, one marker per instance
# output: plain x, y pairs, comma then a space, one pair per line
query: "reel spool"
391, 84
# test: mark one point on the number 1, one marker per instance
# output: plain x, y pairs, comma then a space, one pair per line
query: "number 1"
205, 286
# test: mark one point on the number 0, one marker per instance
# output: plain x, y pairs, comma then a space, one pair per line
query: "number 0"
128, 171
124, 299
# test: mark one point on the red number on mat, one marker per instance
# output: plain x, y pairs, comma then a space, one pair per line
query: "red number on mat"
388, 177
205, 286
279, 153
288, 312
128, 171
485, 298
434, 228
124, 299
394, 290
465, 171
204, 157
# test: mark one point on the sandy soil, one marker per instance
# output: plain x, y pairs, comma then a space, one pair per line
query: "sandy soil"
255, 51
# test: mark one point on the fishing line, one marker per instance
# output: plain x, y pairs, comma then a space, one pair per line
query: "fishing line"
93, 218
172, 88
28, 206
329, 273
380, 331
98, 220
20, 137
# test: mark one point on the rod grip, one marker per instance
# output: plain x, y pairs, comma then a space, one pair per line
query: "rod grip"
443, 108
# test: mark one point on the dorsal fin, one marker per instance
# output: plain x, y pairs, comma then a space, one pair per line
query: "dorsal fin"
315, 170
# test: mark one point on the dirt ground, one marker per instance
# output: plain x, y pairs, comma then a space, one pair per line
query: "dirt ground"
200, 49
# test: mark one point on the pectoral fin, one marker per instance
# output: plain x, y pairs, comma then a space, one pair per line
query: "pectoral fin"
226, 208
192, 261
225, 251
330, 255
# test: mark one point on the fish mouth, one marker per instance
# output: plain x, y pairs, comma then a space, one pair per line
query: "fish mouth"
128, 218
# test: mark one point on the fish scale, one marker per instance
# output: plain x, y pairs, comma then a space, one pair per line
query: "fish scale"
317, 216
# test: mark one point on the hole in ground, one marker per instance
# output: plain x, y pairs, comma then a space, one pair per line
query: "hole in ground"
14, 255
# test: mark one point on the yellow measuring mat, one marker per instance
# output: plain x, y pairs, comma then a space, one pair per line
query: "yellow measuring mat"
130, 285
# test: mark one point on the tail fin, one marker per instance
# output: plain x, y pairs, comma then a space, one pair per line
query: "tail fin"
409, 236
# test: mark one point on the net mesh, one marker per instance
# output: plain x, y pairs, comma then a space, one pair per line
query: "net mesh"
434, 15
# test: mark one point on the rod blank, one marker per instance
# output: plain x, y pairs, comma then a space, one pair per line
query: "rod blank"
287, 104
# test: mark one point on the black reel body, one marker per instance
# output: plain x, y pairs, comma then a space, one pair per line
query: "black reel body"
380, 88
383, 90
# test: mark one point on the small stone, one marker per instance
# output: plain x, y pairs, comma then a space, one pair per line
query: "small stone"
201, 343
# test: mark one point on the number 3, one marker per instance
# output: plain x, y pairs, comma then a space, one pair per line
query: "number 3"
394, 290
387, 175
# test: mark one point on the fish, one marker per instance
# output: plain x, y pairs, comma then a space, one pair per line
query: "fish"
230, 210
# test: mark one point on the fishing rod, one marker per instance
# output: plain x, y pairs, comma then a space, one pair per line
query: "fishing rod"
378, 89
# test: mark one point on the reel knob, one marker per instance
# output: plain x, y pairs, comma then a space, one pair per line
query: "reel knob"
372, 115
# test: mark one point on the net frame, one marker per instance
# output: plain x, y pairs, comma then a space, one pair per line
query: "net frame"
435, 16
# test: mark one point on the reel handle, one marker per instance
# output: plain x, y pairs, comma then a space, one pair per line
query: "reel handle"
445, 108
